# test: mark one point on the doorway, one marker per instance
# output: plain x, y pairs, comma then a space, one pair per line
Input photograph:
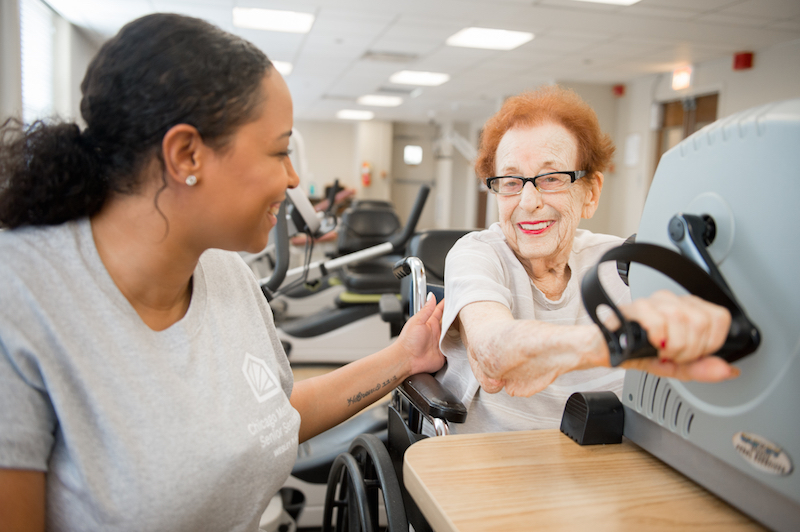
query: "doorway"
681, 118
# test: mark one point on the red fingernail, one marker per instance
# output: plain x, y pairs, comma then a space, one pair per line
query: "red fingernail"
663, 360
663, 344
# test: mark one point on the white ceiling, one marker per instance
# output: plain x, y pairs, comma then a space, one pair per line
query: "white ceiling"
575, 42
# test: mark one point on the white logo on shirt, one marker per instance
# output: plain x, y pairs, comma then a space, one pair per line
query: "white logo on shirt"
260, 378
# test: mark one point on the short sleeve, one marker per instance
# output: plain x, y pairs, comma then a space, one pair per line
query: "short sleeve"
27, 420
473, 272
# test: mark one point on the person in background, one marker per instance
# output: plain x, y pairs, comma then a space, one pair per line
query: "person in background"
517, 338
142, 382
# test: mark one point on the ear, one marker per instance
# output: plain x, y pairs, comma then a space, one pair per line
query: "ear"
592, 198
182, 149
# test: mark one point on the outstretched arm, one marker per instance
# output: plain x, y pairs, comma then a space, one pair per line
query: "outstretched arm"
327, 400
22, 500
525, 356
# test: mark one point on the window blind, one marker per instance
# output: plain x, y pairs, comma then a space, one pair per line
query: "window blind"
36, 36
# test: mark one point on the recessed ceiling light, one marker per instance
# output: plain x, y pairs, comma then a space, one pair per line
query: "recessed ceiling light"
355, 114
414, 77
271, 20
378, 100
489, 39
284, 67
614, 2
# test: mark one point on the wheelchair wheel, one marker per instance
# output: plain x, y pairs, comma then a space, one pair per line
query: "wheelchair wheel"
357, 510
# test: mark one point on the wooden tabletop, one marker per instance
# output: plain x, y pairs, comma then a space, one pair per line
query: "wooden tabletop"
542, 480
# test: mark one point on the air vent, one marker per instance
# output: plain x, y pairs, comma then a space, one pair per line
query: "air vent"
396, 90
389, 57
339, 97
658, 401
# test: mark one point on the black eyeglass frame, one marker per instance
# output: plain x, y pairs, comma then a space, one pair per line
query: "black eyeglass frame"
573, 174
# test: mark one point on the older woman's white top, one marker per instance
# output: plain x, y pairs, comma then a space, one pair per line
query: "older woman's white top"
481, 267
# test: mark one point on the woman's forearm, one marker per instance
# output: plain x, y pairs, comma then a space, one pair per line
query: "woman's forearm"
525, 356
327, 400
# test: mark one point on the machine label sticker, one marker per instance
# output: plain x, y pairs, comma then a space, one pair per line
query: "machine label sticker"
762, 453
260, 378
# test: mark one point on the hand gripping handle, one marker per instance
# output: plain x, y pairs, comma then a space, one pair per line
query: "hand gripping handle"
630, 340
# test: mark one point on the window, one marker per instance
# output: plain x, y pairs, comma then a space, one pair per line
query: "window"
412, 154
36, 35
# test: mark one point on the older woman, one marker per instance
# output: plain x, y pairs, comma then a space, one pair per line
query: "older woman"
517, 339
142, 382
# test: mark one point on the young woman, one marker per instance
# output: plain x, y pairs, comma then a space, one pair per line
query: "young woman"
142, 383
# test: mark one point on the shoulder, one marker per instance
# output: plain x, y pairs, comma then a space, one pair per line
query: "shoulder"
595, 244
482, 241
29, 251
223, 268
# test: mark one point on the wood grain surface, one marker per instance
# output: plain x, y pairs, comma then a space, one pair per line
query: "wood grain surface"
542, 480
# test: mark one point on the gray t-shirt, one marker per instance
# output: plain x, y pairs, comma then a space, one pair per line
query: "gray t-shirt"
189, 428
481, 267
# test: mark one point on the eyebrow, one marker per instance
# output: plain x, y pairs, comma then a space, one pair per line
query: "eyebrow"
286, 134
513, 168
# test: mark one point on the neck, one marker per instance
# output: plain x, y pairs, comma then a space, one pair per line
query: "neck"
146, 258
550, 274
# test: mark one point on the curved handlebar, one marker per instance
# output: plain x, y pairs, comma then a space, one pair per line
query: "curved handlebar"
399, 241
630, 340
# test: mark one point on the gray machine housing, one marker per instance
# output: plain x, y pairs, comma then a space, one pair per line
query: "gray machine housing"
740, 439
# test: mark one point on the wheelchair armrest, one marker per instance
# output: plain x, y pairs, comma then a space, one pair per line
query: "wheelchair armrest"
428, 396
391, 309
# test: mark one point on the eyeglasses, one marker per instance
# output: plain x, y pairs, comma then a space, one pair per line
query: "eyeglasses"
551, 182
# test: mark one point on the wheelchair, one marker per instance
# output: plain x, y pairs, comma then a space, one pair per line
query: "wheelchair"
370, 474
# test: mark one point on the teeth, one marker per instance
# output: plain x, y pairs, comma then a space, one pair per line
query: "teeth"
534, 227
274, 210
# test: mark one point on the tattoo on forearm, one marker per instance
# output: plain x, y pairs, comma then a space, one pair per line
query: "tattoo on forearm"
362, 395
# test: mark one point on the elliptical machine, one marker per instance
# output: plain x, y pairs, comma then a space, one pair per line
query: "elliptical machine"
351, 327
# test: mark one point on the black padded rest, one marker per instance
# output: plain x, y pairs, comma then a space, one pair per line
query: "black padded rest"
363, 228
431, 247
431, 398
315, 456
327, 320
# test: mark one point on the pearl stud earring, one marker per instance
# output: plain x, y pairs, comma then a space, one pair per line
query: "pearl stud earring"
191, 180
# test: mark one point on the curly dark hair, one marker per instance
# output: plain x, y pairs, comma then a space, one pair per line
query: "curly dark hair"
158, 71
547, 104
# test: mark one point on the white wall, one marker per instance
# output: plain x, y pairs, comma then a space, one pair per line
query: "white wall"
374, 146
407, 179
601, 98
330, 151
775, 76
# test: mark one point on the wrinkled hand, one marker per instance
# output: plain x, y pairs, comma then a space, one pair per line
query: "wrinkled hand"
685, 330
534, 363
420, 338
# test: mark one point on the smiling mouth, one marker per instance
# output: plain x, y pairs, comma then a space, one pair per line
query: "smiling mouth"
535, 227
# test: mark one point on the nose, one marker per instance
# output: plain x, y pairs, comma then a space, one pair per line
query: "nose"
294, 179
530, 198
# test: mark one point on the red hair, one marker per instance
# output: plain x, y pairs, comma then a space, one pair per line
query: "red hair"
549, 104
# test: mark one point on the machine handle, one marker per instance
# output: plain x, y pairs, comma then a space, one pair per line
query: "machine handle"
399, 241
630, 340
281, 251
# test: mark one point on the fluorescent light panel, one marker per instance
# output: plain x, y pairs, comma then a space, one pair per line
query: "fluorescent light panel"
284, 67
378, 100
271, 20
414, 77
489, 39
613, 2
355, 114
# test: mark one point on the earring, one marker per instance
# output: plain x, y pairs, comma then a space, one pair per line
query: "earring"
191, 180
